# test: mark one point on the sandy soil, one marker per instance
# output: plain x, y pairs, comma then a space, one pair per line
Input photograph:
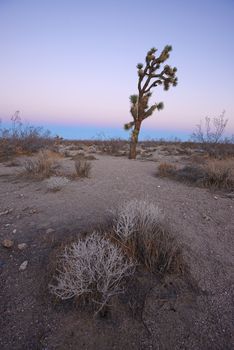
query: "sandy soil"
172, 315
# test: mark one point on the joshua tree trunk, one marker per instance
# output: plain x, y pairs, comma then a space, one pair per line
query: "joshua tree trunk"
134, 140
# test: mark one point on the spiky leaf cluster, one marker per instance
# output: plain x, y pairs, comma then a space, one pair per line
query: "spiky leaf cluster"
140, 109
150, 75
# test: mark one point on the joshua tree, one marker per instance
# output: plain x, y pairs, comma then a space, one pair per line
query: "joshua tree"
149, 76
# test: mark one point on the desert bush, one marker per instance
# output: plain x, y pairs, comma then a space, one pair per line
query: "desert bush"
213, 174
22, 138
139, 225
190, 174
220, 150
209, 136
219, 174
93, 269
166, 169
40, 167
212, 130
113, 146
82, 167
56, 183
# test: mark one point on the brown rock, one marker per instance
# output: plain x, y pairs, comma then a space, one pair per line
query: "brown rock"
7, 243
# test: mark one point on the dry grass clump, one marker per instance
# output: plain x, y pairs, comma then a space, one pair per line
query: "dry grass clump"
219, 174
82, 167
39, 168
56, 183
93, 269
214, 174
166, 169
139, 227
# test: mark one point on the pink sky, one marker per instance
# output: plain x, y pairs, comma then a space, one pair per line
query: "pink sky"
72, 63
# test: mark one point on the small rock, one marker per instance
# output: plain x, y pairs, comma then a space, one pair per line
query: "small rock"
50, 230
23, 265
206, 217
7, 243
14, 231
158, 186
7, 225
22, 246
215, 197
5, 212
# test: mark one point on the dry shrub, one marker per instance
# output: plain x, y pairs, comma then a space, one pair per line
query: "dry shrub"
219, 174
190, 174
140, 227
215, 174
56, 183
22, 138
83, 167
41, 167
92, 269
166, 169
113, 146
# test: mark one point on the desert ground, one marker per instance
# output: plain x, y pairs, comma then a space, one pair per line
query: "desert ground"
174, 313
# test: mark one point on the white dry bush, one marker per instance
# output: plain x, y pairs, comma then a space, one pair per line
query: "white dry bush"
56, 183
93, 268
139, 226
136, 216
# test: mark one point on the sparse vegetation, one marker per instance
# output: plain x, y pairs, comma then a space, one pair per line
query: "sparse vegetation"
92, 269
213, 174
212, 130
209, 134
219, 174
158, 276
190, 174
140, 227
83, 168
114, 146
166, 169
56, 183
22, 138
40, 167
